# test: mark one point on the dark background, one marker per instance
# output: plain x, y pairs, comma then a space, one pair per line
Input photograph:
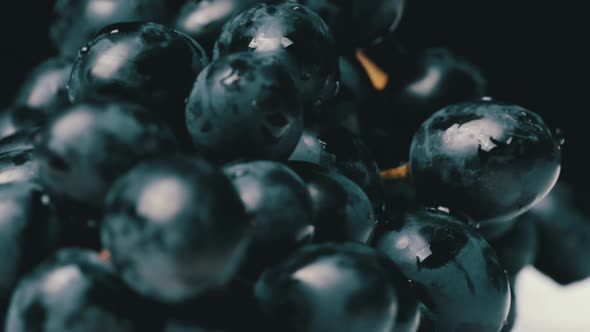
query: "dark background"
530, 51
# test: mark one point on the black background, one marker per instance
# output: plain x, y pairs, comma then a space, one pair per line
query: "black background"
530, 51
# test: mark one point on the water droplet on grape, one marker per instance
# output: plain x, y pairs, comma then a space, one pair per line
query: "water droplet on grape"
83, 51
336, 89
45, 200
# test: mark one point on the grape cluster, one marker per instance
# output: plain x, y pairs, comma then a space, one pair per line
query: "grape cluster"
283, 165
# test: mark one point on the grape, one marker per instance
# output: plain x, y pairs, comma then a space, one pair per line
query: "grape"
145, 63
44, 90
453, 270
343, 152
76, 291
244, 106
202, 20
77, 21
279, 208
342, 211
330, 287
29, 232
174, 228
295, 35
83, 150
490, 160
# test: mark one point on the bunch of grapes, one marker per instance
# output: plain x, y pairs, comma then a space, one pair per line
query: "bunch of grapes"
244, 165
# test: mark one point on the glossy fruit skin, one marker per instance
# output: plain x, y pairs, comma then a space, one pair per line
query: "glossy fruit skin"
295, 35
75, 291
154, 246
83, 150
78, 21
341, 210
489, 160
202, 20
341, 151
145, 63
330, 287
564, 234
358, 23
279, 208
44, 90
455, 273
29, 232
244, 106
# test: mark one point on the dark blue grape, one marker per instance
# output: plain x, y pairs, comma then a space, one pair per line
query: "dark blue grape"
244, 106
144, 63
175, 228
77, 21
330, 287
202, 20
76, 291
83, 150
294, 34
342, 211
29, 232
490, 160
453, 270
278, 206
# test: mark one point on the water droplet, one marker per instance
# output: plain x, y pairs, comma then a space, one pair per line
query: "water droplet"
185, 100
83, 50
487, 98
305, 234
296, 8
114, 31
336, 89
45, 200
559, 137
